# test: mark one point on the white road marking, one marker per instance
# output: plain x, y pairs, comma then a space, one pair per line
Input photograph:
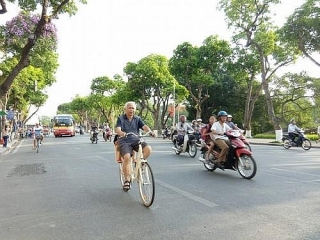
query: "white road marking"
186, 194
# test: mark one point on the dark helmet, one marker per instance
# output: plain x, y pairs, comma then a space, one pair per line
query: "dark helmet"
222, 113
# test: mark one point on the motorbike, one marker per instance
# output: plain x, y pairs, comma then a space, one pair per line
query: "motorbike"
94, 137
288, 142
81, 131
166, 133
107, 135
239, 158
189, 144
245, 141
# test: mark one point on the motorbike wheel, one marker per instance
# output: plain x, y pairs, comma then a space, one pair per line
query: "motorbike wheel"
175, 144
209, 167
306, 144
246, 166
192, 150
286, 144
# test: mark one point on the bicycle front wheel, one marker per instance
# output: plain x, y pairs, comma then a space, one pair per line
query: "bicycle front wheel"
121, 175
38, 145
146, 184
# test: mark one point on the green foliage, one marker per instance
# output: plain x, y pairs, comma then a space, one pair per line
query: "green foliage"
302, 28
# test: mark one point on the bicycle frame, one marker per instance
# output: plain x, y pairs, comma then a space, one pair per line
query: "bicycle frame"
38, 143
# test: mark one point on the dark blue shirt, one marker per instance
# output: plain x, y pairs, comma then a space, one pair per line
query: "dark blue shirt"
130, 126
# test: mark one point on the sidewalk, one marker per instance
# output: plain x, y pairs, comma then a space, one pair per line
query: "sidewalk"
262, 141
10, 146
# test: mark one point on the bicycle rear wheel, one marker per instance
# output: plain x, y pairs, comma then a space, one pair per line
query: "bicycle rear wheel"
146, 184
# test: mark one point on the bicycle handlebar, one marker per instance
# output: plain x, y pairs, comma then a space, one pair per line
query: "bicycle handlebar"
132, 133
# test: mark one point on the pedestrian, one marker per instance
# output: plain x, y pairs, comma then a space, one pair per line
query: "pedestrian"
5, 136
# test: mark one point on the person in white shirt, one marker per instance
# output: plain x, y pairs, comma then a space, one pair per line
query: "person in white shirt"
37, 131
218, 131
293, 130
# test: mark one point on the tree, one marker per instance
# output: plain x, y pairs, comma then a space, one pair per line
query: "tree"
251, 21
245, 67
39, 30
197, 68
302, 29
294, 95
152, 86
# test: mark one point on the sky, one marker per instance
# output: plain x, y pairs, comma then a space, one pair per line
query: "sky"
107, 34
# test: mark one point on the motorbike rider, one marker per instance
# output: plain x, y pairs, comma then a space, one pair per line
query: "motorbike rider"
129, 122
94, 129
218, 130
182, 128
293, 131
106, 130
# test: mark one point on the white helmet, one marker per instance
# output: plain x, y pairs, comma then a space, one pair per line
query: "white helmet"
229, 116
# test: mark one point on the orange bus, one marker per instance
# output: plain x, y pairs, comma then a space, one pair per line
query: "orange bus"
63, 125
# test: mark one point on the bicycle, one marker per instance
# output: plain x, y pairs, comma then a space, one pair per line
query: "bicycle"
38, 138
141, 172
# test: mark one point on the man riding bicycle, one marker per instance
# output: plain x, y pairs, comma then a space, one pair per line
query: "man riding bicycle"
37, 132
126, 123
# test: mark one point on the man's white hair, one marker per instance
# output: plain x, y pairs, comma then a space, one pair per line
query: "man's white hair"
130, 103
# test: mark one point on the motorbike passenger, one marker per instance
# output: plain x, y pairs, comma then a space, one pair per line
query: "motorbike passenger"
200, 124
182, 128
205, 135
196, 127
230, 123
218, 130
293, 131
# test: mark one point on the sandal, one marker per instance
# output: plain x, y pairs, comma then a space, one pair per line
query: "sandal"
126, 186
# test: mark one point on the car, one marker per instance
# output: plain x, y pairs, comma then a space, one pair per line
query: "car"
46, 130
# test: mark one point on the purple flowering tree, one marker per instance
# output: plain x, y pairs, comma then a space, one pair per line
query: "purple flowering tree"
17, 38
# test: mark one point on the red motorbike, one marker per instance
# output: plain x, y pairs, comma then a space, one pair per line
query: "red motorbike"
239, 158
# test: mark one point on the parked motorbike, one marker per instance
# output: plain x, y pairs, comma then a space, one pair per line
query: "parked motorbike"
166, 133
94, 137
288, 142
107, 135
189, 144
239, 158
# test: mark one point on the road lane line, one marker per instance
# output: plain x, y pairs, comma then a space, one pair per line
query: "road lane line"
301, 173
186, 194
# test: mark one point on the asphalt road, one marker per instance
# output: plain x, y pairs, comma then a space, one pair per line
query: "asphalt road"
71, 190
